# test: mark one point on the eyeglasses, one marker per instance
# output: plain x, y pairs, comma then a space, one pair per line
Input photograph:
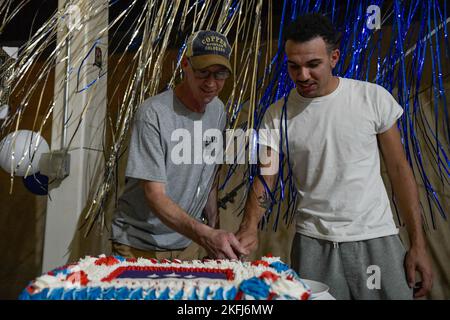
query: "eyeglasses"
205, 74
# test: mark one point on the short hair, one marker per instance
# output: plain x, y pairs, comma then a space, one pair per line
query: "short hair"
310, 26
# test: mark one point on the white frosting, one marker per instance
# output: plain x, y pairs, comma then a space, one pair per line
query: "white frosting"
290, 288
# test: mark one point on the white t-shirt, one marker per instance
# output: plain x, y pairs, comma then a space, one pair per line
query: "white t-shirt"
335, 159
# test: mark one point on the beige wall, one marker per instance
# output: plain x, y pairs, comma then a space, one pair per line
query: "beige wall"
22, 214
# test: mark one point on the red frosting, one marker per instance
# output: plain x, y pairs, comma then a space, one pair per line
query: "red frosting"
31, 289
305, 296
228, 272
271, 295
269, 275
78, 277
109, 261
260, 262
239, 296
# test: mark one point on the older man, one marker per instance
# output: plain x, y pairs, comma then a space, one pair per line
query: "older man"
160, 213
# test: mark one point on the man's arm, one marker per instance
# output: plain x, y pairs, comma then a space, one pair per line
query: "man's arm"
211, 210
407, 196
219, 243
257, 203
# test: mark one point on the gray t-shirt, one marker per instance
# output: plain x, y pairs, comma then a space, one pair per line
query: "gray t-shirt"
161, 132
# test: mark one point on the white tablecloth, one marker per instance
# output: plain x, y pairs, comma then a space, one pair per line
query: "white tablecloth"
323, 296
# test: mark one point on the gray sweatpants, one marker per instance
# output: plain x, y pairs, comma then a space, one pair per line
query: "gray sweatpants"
366, 270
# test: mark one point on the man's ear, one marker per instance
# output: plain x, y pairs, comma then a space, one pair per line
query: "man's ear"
184, 62
335, 55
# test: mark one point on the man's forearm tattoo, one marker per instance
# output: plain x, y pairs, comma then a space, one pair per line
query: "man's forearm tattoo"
264, 201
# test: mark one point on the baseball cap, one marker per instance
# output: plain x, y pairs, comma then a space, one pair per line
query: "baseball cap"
205, 48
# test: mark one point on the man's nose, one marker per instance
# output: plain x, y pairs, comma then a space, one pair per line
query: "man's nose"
303, 74
210, 80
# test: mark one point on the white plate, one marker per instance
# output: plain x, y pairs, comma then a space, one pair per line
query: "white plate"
317, 288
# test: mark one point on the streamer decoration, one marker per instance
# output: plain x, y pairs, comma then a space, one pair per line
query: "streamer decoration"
413, 40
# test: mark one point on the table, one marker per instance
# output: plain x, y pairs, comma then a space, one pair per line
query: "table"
324, 296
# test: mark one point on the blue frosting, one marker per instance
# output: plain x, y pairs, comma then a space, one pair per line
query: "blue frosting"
122, 293
109, 293
255, 287
41, 295
179, 295
33, 296
280, 266
56, 294
194, 295
120, 258
151, 295
206, 293
219, 294
24, 295
94, 293
68, 295
164, 295
44, 294
80, 294
63, 271
231, 294
136, 294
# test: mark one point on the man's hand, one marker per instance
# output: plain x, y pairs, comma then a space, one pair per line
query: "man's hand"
417, 260
221, 244
248, 237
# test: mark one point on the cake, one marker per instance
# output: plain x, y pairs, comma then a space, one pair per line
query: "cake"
117, 278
